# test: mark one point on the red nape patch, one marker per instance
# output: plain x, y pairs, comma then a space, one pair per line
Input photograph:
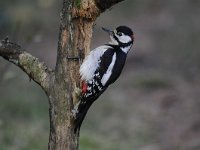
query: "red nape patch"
84, 87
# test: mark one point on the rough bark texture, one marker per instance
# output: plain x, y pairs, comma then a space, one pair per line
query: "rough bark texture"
62, 86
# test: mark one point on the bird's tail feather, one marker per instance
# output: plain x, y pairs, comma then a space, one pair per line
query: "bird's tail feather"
82, 111
83, 107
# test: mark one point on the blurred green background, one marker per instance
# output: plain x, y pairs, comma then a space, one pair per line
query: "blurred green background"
155, 105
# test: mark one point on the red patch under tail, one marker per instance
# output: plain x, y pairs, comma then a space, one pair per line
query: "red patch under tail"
84, 87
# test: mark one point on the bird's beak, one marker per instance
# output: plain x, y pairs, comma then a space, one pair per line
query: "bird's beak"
110, 32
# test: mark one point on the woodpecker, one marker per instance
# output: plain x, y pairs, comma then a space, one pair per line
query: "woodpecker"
102, 67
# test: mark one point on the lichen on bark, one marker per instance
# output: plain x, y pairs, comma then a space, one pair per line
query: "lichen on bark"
35, 69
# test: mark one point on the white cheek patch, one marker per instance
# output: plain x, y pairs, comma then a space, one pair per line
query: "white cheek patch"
124, 38
126, 49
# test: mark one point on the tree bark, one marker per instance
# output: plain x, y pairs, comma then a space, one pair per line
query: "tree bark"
35, 69
62, 86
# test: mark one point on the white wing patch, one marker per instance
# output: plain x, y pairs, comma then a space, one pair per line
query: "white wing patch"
108, 73
91, 62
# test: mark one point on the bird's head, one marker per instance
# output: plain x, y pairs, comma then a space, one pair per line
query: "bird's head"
122, 35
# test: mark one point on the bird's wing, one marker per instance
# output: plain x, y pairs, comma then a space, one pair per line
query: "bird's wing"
106, 65
91, 62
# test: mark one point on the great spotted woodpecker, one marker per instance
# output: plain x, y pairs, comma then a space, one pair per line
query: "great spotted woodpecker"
102, 67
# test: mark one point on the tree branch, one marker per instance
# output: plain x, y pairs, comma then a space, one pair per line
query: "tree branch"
106, 4
36, 70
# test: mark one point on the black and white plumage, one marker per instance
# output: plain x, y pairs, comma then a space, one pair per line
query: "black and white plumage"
102, 67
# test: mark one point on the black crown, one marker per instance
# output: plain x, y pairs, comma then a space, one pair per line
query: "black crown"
124, 29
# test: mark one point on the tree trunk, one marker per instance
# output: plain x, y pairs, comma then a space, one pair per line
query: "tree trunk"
74, 41
62, 86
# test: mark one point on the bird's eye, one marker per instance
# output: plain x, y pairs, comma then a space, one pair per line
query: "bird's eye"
119, 33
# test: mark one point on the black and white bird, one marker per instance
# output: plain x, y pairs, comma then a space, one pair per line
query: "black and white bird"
102, 67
